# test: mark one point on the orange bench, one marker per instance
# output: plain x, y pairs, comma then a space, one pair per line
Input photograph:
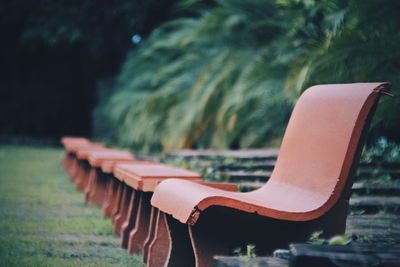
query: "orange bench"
95, 190
138, 181
81, 175
309, 189
115, 187
91, 166
137, 221
76, 165
69, 158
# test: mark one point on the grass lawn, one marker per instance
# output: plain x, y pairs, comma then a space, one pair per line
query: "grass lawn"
44, 220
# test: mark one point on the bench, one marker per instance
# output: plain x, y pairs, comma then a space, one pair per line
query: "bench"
308, 191
138, 183
95, 190
69, 158
114, 187
76, 167
138, 220
82, 174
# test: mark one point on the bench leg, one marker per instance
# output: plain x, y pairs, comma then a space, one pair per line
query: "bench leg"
110, 195
74, 169
77, 169
130, 221
85, 178
160, 246
117, 202
138, 235
67, 162
96, 190
79, 173
120, 217
101, 187
107, 199
89, 185
181, 252
83, 175
118, 205
151, 233
171, 245
207, 241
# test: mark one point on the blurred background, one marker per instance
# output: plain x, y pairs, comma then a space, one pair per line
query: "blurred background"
171, 74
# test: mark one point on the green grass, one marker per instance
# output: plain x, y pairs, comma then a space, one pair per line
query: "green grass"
44, 220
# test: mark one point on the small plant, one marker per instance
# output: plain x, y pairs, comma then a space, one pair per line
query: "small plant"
341, 239
249, 252
315, 239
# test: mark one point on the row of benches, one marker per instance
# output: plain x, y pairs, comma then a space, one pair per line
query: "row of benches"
122, 186
188, 221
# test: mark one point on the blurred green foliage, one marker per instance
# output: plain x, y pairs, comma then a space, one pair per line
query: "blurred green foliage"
382, 150
228, 74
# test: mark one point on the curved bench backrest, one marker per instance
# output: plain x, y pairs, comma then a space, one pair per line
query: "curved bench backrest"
321, 139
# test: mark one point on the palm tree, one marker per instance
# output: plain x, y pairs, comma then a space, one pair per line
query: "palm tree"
228, 76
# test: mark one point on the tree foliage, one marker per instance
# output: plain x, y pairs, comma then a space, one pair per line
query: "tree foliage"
227, 75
